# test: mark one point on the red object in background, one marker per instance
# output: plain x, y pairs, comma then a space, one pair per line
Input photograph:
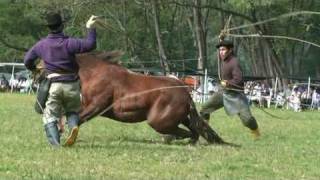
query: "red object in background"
190, 81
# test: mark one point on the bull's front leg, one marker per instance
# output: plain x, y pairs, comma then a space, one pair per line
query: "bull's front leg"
92, 106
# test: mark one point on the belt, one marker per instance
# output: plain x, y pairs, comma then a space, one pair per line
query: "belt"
54, 75
57, 77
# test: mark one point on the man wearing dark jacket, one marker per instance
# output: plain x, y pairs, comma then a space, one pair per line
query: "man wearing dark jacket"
58, 53
231, 97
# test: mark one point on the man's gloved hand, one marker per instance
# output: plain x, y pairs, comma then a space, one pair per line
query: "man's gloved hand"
91, 22
224, 83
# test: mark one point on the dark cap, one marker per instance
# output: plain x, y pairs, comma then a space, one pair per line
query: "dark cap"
225, 43
53, 19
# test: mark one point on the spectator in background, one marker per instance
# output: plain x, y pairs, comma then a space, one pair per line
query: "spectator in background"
4, 84
315, 104
294, 101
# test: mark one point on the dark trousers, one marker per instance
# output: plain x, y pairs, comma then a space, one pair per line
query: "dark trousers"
216, 102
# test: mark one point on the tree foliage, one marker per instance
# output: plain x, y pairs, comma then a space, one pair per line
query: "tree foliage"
132, 29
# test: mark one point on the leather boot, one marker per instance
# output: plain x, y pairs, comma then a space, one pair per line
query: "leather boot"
53, 134
73, 121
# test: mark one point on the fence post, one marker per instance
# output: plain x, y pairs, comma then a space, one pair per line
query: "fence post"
309, 81
205, 85
12, 78
275, 88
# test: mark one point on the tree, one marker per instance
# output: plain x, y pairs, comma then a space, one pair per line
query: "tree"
147, 30
162, 55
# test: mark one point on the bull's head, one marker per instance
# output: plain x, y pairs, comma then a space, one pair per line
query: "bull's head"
38, 74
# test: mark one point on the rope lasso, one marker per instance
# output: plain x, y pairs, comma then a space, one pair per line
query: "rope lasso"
274, 19
273, 36
226, 31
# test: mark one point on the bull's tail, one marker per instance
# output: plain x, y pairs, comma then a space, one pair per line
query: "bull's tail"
202, 127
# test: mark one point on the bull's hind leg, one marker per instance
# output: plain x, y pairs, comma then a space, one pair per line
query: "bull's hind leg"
195, 135
169, 128
207, 132
165, 117
175, 134
203, 127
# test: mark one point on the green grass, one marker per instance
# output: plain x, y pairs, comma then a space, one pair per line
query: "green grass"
288, 149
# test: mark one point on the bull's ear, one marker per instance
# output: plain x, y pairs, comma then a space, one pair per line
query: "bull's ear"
38, 74
40, 64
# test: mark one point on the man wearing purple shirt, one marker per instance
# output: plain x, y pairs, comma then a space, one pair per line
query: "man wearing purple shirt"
58, 52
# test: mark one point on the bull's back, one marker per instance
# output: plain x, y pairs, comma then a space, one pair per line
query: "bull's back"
158, 85
169, 91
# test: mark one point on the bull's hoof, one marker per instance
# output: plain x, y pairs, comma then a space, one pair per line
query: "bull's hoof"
193, 141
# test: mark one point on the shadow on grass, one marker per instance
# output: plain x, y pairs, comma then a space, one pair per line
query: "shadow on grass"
100, 142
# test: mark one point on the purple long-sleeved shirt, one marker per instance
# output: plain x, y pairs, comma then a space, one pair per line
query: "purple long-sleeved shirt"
58, 52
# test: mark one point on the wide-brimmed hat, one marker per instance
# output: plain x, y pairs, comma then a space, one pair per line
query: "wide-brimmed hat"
225, 43
53, 19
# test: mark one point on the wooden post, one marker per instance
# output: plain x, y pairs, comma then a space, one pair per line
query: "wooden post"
12, 78
309, 81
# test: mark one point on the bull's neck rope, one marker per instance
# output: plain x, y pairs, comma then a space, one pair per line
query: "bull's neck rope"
163, 88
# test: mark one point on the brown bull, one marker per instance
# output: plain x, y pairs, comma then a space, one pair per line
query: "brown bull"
112, 91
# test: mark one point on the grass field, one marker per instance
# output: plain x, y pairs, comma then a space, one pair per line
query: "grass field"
288, 149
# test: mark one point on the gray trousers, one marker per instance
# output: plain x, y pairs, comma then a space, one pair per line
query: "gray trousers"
233, 103
64, 97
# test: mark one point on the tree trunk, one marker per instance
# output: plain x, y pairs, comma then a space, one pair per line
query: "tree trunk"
318, 72
200, 35
162, 55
